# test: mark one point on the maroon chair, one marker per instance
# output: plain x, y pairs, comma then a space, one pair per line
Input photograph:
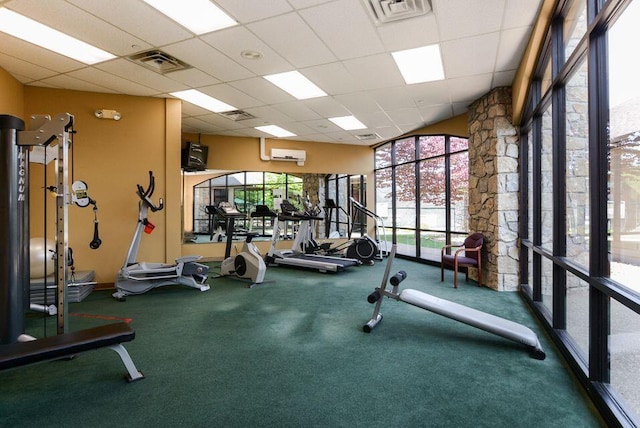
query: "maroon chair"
469, 254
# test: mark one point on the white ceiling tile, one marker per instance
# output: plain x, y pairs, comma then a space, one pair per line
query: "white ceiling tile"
233, 41
251, 10
436, 113
430, 93
193, 77
113, 82
394, 98
503, 78
373, 72
469, 56
359, 102
263, 90
512, 41
198, 54
80, 24
333, 78
345, 27
332, 42
409, 33
66, 81
322, 126
464, 18
136, 18
269, 114
303, 50
405, 116
326, 107
128, 70
37, 55
460, 108
231, 95
520, 13
375, 119
26, 69
202, 125
189, 109
297, 111
470, 88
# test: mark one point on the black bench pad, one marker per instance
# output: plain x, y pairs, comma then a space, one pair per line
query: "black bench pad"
64, 345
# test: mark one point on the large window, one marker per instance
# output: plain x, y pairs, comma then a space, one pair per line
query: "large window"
415, 196
580, 252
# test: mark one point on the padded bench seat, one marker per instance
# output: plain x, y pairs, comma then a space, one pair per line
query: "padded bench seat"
66, 345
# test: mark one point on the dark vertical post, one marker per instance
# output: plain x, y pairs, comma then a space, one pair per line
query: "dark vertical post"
14, 230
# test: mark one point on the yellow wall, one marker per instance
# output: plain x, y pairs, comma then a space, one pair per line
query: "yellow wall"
11, 95
112, 157
243, 154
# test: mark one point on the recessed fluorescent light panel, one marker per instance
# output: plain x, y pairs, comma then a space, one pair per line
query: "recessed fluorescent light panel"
199, 16
276, 131
347, 123
296, 84
203, 100
420, 64
33, 32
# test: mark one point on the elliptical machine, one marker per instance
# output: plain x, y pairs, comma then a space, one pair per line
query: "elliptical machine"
248, 263
140, 277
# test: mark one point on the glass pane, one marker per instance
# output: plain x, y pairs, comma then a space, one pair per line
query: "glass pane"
459, 167
405, 150
294, 187
274, 188
430, 245
383, 156
577, 170
432, 194
547, 180
406, 196
546, 282
545, 84
384, 206
624, 149
578, 312
456, 144
575, 26
625, 354
343, 202
431, 145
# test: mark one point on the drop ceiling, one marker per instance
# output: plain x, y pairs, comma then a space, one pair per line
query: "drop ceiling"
337, 44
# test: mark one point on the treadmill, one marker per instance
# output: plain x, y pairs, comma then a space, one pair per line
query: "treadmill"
298, 259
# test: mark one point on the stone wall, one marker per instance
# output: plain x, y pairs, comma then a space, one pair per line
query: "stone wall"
494, 187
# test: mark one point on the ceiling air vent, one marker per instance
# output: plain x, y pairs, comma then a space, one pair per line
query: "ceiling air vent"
237, 115
158, 61
373, 136
384, 11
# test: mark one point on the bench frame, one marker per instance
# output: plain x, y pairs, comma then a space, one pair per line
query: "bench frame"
67, 345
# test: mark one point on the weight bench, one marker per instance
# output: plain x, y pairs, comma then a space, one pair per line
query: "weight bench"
68, 344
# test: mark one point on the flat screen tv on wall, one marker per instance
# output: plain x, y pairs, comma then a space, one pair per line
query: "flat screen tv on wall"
194, 157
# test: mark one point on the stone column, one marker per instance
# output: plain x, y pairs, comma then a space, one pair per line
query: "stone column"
494, 187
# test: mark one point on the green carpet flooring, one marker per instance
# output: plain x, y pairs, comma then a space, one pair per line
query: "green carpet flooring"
292, 354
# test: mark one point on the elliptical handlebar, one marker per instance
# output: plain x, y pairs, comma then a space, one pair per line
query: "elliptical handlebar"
145, 195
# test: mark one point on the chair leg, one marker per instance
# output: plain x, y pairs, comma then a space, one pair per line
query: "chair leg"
479, 275
441, 271
455, 274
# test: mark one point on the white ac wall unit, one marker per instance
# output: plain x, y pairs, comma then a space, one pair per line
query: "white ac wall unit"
298, 156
